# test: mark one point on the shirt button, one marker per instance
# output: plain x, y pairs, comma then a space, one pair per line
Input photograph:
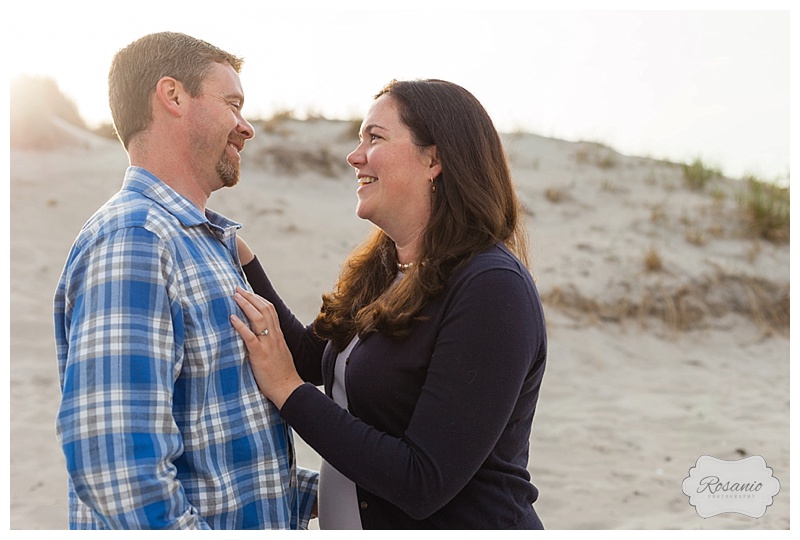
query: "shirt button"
363, 505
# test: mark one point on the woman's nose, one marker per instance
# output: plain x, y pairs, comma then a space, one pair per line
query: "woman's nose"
356, 157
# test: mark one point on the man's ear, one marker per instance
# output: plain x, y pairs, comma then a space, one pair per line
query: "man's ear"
171, 95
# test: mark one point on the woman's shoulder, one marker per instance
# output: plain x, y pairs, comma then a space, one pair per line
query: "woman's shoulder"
496, 266
495, 273
497, 257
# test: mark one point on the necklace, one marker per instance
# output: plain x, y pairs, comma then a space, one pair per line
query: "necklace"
406, 266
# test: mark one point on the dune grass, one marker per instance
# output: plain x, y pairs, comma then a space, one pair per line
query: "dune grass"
697, 174
766, 209
685, 307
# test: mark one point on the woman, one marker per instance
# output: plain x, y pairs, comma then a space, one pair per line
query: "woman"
432, 345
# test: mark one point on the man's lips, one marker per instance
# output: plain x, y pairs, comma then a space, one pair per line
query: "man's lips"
238, 145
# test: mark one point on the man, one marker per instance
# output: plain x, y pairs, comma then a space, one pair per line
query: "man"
161, 422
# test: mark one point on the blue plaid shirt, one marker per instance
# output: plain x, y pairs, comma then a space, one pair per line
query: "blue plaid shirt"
161, 421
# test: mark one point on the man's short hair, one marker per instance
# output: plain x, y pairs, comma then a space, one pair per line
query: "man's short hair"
137, 68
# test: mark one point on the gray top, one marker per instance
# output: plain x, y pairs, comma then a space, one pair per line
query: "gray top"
338, 503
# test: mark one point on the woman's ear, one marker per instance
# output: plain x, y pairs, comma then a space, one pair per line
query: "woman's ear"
434, 164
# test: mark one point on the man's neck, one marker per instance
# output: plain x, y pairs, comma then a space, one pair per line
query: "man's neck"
179, 179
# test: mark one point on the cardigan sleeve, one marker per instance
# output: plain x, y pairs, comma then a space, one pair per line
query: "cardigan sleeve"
305, 346
488, 355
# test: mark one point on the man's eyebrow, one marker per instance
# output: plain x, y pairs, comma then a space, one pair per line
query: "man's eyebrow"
236, 96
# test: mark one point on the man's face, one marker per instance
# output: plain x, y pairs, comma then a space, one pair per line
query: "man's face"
219, 130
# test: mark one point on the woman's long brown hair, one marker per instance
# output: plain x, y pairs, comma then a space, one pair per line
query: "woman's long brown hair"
474, 207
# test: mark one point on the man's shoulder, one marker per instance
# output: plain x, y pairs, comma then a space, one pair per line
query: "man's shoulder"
128, 210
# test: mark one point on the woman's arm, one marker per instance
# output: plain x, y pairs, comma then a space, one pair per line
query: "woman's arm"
305, 346
487, 360
246, 254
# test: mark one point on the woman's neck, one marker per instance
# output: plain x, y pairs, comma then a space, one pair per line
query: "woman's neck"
407, 255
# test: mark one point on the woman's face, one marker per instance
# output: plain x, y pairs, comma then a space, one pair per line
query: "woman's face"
394, 174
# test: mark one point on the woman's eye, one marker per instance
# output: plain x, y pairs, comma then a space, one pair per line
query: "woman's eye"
370, 137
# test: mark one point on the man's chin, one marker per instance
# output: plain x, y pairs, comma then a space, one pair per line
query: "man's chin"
230, 182
228, 174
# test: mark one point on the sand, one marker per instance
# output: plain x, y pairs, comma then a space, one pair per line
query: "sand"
667, 324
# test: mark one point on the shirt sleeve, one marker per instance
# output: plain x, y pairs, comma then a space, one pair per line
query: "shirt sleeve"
124, 333
485, 352
307, 485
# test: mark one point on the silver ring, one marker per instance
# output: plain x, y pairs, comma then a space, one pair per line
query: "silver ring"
264, 332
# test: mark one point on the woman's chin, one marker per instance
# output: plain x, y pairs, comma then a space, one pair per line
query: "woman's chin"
362, 212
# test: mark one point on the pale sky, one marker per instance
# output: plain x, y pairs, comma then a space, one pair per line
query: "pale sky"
676, 84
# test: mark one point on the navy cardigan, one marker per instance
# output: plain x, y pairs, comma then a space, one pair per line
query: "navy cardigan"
438, 426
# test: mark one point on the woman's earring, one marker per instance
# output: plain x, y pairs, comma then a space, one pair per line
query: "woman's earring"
433, 186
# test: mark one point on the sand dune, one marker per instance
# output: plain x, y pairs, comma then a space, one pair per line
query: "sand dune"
667, 321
